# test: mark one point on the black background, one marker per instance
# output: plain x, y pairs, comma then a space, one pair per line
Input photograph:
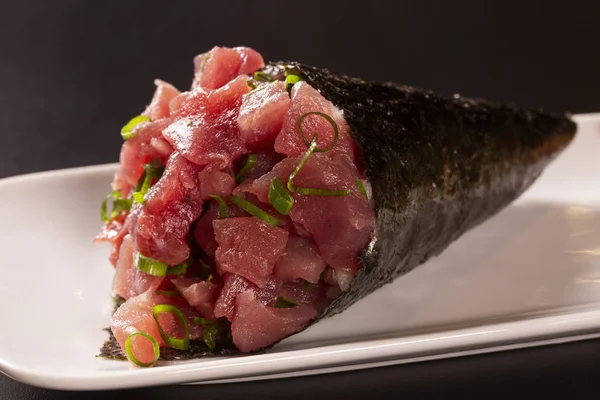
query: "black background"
72, 72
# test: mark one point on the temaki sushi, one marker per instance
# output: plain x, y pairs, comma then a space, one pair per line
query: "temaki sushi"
269, 196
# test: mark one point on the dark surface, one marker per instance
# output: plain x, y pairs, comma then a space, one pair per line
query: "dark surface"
72, 72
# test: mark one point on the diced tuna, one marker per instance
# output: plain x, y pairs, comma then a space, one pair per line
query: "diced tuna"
261, 114
235, 284
199, 294
204, 232
136, 152
300, 259
163, 222
306, 99
221, 65
128, 280
206, 129
248, 247
213, 181
256, 326
159, 106
113, 232
313, 295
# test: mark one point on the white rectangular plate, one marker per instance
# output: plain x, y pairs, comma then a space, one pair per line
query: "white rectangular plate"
528, 276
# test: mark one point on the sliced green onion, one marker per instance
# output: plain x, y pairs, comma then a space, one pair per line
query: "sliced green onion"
361, 189
127, 130
263, 77
153, 170
210, 335
119, 204
168, 293
223, 213
282, 302
306, 285
251, 84
311, 149
206, 270
140, 182
312, 191
280, 197
200, 320
291, 80
181, 344
178, 269
132, 357
248, 165
253, 210
150, 266
322, 192
330, 120
210, 331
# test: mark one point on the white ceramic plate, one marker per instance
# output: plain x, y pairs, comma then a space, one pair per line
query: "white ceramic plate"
528, 276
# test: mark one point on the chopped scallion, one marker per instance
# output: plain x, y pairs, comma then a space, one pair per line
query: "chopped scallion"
119, 204
306, 285
280, 197
253, 210
181, 344
130, 354
168, 293
128, 130
210, 329
330, 120
150, 266
152, 170
291, 80
248, 165
282, 302
312, 147
361, 189
263, 77
178, 269
223, 213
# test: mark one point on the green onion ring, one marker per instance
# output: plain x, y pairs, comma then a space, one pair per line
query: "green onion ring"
180, 344
132, 357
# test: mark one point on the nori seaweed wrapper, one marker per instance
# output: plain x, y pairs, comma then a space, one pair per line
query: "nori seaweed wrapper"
438, 165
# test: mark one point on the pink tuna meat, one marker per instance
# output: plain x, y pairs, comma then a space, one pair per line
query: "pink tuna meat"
248, 247
159, 106
128, 280
204, 232
255, 325
162, 225
138, 151
213, 181
221, 65
206, 128
306, 99
300, 259
235, 284
261, 114
199, 294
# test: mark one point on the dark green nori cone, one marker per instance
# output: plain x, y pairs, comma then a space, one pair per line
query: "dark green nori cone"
438, 166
